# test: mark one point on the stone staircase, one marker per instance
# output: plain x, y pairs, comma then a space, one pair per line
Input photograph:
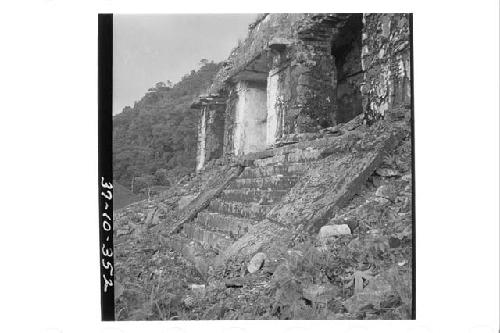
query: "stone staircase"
244, 202
263, 189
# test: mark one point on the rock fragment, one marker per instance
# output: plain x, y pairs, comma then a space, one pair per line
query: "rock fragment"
373, 294
407, 177
320, 293
386, 172
329, 231
256, 262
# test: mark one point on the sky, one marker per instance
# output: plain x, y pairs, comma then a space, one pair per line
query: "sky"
152, 48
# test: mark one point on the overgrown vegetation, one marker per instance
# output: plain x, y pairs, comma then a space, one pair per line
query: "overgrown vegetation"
156, 138
363, 275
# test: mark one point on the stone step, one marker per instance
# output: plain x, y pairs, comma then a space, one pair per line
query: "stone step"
286, 170
276, 182
213, 239
248, 210
297, 155
229, 224
263, 197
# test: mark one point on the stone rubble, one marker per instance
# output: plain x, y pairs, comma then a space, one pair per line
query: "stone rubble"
329, 231
256, 262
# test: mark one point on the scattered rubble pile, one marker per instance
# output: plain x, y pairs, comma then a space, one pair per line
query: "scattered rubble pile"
226, 243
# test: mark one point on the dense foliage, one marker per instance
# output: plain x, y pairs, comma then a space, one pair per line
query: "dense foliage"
160, 131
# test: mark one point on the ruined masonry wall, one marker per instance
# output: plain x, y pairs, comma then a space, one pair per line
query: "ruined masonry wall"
386, 63
214, 131
210, 134
272, 109
230, 122
271, 26
312, 105
200, 152
309, 86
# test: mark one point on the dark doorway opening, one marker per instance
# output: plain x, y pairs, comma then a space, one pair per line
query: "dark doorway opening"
348, 73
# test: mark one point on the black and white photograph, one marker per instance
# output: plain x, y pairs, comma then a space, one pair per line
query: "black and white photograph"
250, 166
263, 167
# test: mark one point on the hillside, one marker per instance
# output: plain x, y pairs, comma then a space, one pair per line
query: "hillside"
122, 196
159, 131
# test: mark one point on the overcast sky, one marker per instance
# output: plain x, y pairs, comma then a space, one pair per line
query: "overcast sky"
153, 48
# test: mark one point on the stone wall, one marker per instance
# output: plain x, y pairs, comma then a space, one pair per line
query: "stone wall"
214, 131
200, 152
211, 124
386, 63
268, 27
274, 122
230, 121
312, 103
320, 70
251, 116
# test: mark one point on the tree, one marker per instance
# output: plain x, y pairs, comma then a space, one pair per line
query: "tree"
160, 85
163, 86
161, 177
159, 131
143, 182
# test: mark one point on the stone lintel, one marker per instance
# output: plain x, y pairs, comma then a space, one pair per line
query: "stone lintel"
256, 69
208, 100
279, 44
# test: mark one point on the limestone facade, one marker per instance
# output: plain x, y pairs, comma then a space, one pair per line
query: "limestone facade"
301, 73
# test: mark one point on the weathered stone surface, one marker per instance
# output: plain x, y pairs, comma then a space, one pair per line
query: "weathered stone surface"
257, 239
240, 209
407, 177
210, 130
378, 288
123, 231
198, 289
386, 172
320, 293
292, 169
250, 116
214, 187
185, 200
263, 34
228, 224
263, 197
386, 59
279, 158
206, 237
329, 231
332, 183
276, 182
326, 187
256, 262
320, 69
192, 251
